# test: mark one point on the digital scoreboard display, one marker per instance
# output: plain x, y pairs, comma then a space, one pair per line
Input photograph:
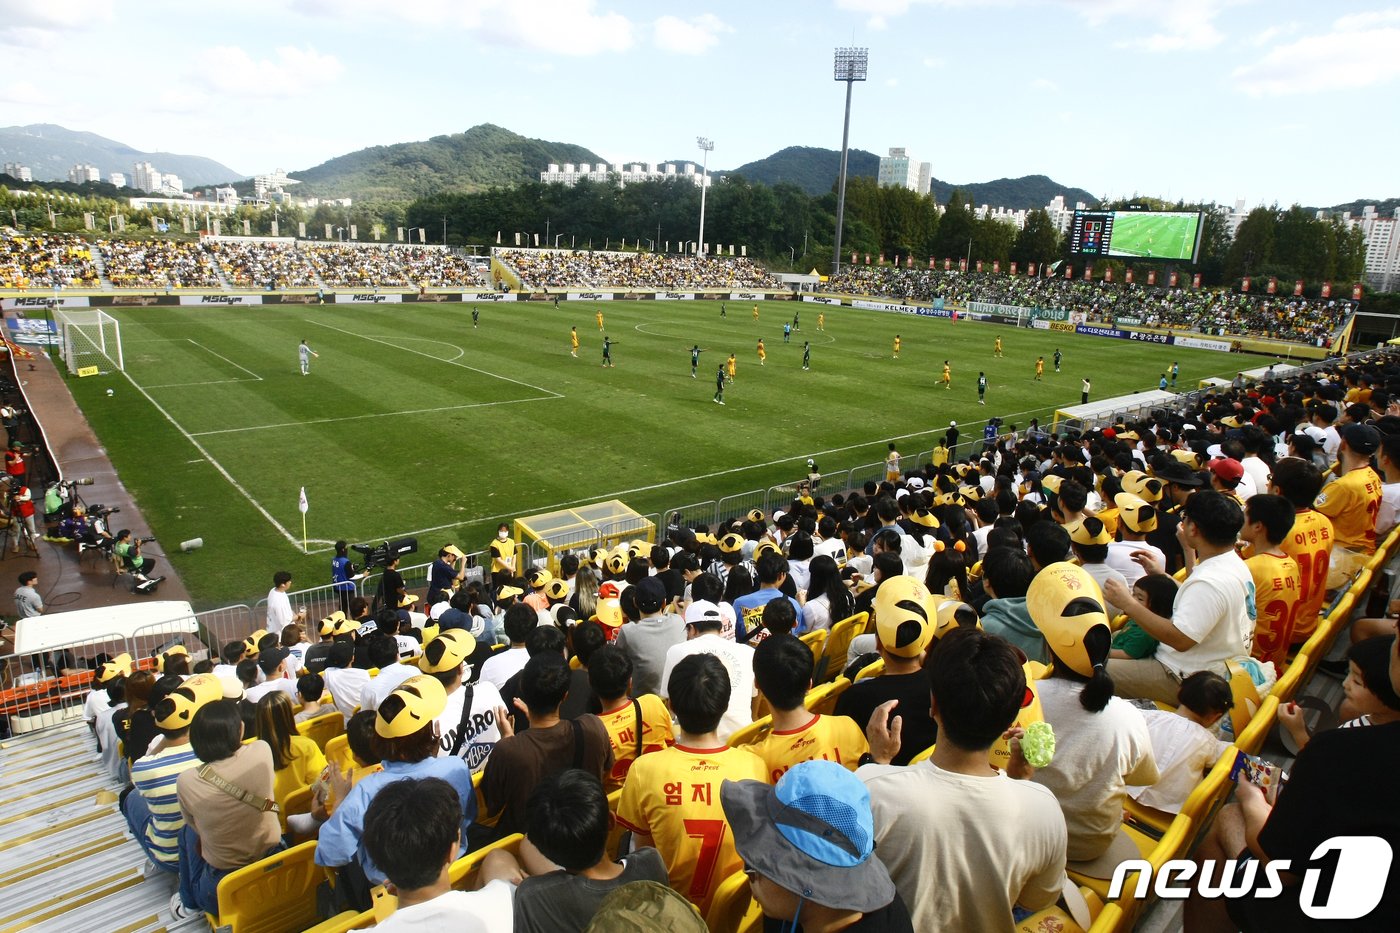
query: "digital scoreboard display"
1164, 235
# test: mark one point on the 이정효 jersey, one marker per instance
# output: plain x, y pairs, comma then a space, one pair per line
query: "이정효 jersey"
825, 738
1352, 502
1276, 601
1310, 544
622, 724
673, 797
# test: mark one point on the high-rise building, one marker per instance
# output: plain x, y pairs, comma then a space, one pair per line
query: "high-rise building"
899, 170
145, 177
18, 172
622, 174
118, 179
83, 172
1383, 253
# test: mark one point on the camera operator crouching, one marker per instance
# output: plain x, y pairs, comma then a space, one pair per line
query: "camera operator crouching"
129, 550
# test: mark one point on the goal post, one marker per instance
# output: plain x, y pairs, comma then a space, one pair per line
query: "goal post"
89, 338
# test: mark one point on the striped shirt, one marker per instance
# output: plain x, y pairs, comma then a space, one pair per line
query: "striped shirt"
154, 777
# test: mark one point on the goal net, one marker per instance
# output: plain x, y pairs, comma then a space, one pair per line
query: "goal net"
89, 338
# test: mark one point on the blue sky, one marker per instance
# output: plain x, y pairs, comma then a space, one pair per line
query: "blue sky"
1214, 99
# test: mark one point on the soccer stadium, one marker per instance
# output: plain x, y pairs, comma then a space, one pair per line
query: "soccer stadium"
403, 585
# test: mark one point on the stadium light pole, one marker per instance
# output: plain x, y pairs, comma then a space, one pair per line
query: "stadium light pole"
706, 147
851, 66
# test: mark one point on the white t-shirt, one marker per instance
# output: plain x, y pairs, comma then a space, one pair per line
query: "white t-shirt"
408, 646
1120, 558
96, 702
1331, 440
1258, 472
832, 547
1215, 607
1102, 573
108, 742
1183, 751
1390, 509
384, 683
279, 611
503, 665
737, 660
482, 732
296, 656
1095, 753
346, 684
289, 687
963, 850
489, 910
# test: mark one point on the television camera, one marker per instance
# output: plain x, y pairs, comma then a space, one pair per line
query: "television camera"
379, 555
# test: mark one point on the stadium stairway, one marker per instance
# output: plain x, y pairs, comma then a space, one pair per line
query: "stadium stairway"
67, 862
101, 268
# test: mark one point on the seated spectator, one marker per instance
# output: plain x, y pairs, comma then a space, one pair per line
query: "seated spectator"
412, 828
384, 654
808, 846
1137, 519
311, 689
1309, 542
278, 677
467, 726
1101, 742
1268, 519
1210, 619
772, 572
1157, 592
981, 842
1088, 541
1006, 575
1183, 744
568, 825
345, 683
359, 737
296, 760
226, 804
105, 728
670, 792
828, 599
1352, 503
551, 744
520, 621
406, 741
550, 639
636, 726
135, 726
782, 667
647, 640
1368, 697
704, 622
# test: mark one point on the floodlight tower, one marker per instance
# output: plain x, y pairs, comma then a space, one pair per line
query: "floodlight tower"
851, 66
706, 147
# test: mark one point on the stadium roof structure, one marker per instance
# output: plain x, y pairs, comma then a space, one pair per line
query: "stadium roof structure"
1111, 410
601, 524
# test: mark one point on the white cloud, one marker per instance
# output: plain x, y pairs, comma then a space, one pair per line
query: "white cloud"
934, 61
1185, 25
1271, 34
229, 69
28, 25
689, 37
1358, 52
1044, 84
20, 92
891, 82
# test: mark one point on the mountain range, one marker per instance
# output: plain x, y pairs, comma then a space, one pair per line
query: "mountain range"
50, 151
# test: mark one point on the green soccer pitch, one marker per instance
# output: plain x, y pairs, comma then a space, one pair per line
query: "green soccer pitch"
411, 422
1155, 235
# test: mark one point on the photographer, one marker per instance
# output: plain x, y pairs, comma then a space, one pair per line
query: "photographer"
129, 550
22, 510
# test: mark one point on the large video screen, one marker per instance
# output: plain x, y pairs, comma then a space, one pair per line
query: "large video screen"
1166, 235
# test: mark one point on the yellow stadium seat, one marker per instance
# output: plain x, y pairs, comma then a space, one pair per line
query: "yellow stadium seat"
463, 872
344, 922
923, 755
1245, 695
733, 909
1145, 844
1055, 918
1200, 804
322, 729
1251, 738
338, 749
273, 895
871, 670
816, 640
298, 801
482, 816
575, 664
823, 699
1286, 687
752, 733
838, 643
1111, 920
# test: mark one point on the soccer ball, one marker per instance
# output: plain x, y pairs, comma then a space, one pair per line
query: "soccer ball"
111, 392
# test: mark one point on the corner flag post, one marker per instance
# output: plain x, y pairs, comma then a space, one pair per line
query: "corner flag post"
302, 506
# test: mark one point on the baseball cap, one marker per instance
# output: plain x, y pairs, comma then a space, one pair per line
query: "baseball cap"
1361, 438
452, 551
651, 595
507, 591
702, 613
1088, 530
947, 616
1226, 470
1136, 512
731, 544
556, 589
1145, 487
414, 704
812, 833
924, 517
407, 601
178, 650
1187, 458
177, 710
1065, 604
1050, 482
755, 515
332, 622
539, 577
903, 611
1179, 474
252, 641
1312, 431
120, 666
447, 651
609, 612
272, 658
765, 547
915, 483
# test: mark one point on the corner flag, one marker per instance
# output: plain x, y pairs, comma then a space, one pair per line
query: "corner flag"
302, 506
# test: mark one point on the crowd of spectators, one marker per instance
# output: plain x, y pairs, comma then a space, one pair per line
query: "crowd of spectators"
38, 260
157, 264
262, 265
675, 675
1209, 311
548, 268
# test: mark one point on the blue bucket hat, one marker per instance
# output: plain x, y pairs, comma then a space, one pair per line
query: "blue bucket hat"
812, 833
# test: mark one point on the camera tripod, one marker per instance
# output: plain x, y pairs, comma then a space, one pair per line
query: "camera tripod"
15, 532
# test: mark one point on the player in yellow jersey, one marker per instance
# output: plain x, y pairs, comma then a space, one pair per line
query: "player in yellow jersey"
996, 347
636, 726
821, 320
1277, 583
892, 460
671, 798
896, 346
755, 314
762, 353
1309, 542
782, 668
1039, 368
732, 366
573, 342
947, 375
1352, 503
599, 317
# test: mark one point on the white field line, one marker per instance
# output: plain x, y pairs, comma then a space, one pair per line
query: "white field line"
226, 359
550, 392
385, 414
211, 382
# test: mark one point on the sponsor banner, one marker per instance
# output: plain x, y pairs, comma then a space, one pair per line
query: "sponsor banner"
675, 296
1040, 324
821, 299
590, 296
35, 301
490, 296
1198, 343
758, 296
133, 301
1146, 337
293, 299
1101, 331
986, 307
221, 299
920, 310
369, 298
1064, 326
35, 331
432, 297
1051, 314
1125, 319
